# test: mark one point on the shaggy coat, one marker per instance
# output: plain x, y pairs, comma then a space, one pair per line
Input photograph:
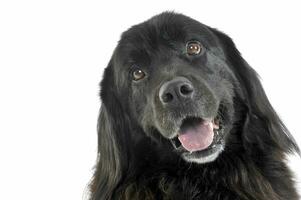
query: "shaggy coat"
136, 159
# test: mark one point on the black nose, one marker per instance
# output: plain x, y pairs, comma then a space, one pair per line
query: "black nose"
176, 91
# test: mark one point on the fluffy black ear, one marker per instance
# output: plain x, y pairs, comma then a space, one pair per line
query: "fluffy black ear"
111, 134
263, 127
107, 173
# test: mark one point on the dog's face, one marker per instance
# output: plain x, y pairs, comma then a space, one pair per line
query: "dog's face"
172, 74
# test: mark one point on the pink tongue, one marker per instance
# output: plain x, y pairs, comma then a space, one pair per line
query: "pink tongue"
197, 138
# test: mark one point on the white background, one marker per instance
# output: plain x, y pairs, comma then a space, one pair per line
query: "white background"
52, 54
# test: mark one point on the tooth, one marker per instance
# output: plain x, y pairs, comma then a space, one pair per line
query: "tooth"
206, 122
211, 125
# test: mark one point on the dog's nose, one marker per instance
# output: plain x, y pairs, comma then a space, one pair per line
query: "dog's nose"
176, 91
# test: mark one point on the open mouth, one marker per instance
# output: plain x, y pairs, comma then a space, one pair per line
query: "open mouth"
199, 137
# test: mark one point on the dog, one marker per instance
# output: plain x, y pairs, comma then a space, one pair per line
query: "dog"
183, 116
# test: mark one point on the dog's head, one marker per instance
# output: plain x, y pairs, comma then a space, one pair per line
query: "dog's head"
173, 72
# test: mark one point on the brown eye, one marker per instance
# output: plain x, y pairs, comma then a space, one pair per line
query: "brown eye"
193, 48
138, 74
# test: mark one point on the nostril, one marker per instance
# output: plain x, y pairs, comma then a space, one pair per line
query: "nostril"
167, 97
176, 91
186, 89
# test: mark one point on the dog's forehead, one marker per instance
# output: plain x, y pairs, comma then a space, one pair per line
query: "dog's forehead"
166, 29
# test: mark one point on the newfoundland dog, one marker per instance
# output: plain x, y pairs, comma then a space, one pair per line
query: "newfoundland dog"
184, 116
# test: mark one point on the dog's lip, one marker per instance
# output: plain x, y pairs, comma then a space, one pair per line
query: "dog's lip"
211, 151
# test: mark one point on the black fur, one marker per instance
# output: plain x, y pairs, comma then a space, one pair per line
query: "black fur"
136, 160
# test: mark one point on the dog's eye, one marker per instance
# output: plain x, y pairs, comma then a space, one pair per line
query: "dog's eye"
138, 74
193, 48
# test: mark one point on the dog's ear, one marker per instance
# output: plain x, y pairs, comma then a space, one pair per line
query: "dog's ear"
111, 141
263, 126
107, 173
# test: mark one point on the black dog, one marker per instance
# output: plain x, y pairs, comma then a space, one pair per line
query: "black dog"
184, 116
